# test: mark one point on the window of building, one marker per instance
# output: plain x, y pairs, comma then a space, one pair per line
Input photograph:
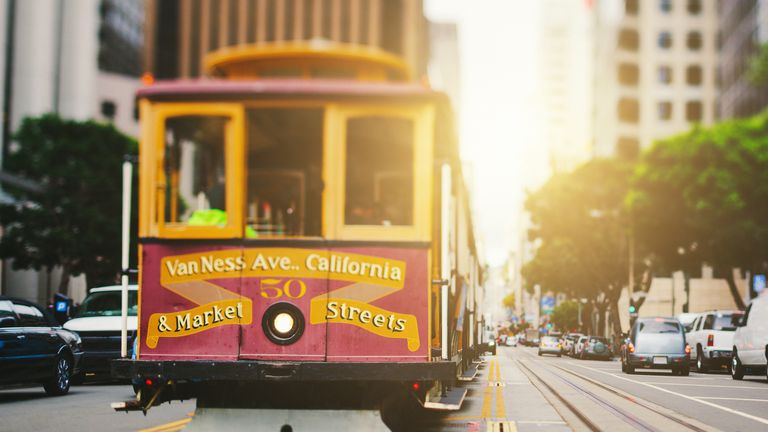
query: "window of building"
693, 111
629, 110
693, 41
629, 74
665, 74
665, 40
285, 187
627, 148
665, 110
629, 40
693, 75
108, 109
631, 7
379, 171
665, 5
694, 7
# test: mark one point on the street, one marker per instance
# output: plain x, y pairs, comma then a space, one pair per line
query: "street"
515, 390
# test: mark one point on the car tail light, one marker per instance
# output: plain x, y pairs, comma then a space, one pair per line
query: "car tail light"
687, 349
711, 340
631, 347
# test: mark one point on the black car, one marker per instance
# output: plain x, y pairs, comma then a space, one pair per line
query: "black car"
656, 343
33, 349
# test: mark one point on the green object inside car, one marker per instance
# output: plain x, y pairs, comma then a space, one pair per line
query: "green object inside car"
215, 217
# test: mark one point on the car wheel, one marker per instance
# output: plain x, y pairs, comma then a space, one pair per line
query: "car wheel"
737, 370
685, 370
630, 369
623, 366
539, 353
59, 384
701, 366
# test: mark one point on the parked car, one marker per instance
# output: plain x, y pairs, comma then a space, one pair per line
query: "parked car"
511, 341
550, 345
578, 345
35, 349
596, 347
569, 340
750, 342
711, 338
656, 343
99, 322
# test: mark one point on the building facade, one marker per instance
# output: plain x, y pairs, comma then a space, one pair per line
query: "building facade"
74, 58
658, 63
743, 28
180, 33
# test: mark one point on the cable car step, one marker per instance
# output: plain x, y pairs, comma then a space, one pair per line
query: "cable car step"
240, 419
450, 402
469, 374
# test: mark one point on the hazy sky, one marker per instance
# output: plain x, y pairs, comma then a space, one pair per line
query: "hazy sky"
498, 116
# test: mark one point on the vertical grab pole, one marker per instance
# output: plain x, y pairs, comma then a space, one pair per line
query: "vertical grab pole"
445, 257
127, 175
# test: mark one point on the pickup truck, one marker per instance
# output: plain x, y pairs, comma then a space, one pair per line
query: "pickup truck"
711, 338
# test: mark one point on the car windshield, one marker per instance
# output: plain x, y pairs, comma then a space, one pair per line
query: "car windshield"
549, 339
659, 326
107, 303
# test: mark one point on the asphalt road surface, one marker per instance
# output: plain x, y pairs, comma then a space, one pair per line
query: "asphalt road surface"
513, 391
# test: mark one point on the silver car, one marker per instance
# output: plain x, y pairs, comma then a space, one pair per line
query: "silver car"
550, 345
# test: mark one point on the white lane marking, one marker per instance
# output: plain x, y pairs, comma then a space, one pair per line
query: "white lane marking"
704, 385
732, 399
553, 422
726, 409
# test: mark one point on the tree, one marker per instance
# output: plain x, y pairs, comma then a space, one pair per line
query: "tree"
75, 221
580, 223
565, 316
702, 197
758, 67
509, 301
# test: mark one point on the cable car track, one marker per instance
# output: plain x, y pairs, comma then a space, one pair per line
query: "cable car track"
622, 414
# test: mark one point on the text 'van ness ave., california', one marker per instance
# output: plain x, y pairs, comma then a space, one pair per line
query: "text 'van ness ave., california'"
283, 261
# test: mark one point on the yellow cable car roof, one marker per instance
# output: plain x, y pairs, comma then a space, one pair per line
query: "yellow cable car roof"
306, 59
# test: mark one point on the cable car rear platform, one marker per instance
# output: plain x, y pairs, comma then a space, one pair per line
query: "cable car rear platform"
257, 370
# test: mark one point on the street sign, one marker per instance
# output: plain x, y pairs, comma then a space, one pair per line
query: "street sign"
758, 283
547, 305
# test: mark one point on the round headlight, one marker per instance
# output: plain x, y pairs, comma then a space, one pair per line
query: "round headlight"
283, 323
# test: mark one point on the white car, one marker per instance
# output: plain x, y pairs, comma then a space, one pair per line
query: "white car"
99, 322
750, 343
711, 338
569, 341
578, 346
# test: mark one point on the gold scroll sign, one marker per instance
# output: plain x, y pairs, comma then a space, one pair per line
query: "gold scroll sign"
371, 278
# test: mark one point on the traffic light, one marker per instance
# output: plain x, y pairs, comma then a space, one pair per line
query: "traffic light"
632, 308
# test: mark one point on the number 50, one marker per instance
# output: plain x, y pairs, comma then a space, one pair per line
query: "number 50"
276, 288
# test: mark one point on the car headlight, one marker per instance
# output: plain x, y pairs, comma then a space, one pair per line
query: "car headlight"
491, 343
283, 323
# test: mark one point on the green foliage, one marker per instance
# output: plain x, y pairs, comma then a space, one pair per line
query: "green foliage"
565, 316
758, 67
702, 197
75, 222
579, 220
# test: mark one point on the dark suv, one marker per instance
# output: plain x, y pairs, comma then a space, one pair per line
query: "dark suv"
33, 349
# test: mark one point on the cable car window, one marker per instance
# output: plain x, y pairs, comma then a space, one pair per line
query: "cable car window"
379, 171
195, 192
285, 159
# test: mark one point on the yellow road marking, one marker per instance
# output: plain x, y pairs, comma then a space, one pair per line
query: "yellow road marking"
169, 427
487, 395
500, 411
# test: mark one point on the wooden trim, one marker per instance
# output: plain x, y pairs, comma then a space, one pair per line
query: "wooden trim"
242, 22
205, 30
261, 21
185, 16
234, 169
